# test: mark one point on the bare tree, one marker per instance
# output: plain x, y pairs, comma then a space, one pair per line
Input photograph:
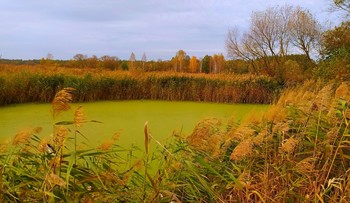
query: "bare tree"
343, 5
305, 31
270, 36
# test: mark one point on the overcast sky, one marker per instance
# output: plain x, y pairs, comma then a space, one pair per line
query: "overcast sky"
31, 29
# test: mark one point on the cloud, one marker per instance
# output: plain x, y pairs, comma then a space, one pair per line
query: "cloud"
110, 27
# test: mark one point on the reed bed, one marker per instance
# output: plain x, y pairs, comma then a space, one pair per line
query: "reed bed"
40, 84
298, 151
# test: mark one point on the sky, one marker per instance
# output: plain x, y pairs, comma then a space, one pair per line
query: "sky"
31, 29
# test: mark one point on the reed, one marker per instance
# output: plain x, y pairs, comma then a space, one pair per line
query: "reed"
34, 84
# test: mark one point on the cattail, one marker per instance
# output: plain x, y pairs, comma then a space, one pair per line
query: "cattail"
62, 101
79, 117
147, 138
242, 150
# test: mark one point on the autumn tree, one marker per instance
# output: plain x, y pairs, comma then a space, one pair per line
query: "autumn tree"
218, 63
179, 61
194, 65
335, 52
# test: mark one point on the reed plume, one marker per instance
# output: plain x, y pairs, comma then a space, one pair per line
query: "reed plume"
243, 150
62, 101
79, 117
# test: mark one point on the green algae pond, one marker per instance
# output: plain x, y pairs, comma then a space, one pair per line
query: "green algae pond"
124, 117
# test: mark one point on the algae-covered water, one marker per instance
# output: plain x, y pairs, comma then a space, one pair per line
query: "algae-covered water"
125, 117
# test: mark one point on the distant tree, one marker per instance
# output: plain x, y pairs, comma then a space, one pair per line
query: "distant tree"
218, 63
194, 65
132, 61
80, 60
92, 62
144, 60
180, 60
48, 61
206, 64
109, 62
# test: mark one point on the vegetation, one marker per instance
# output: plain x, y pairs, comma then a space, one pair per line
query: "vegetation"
298, 151
34, 84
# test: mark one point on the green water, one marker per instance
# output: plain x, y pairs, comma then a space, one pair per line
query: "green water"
127, 117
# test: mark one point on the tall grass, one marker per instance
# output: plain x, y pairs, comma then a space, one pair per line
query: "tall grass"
298, 151
35, 84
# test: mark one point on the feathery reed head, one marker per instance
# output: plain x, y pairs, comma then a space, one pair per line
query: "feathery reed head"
22, 137
79, 117
60, 135
62, 101
343, 92
242, 150
289, 145
106, 145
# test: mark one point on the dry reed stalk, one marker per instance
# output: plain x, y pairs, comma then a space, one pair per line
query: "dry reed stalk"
62, 101
243, 150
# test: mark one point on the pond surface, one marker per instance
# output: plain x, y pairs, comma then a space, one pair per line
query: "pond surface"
126, 117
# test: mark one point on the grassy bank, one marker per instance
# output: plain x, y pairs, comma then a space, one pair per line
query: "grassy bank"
38, 84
